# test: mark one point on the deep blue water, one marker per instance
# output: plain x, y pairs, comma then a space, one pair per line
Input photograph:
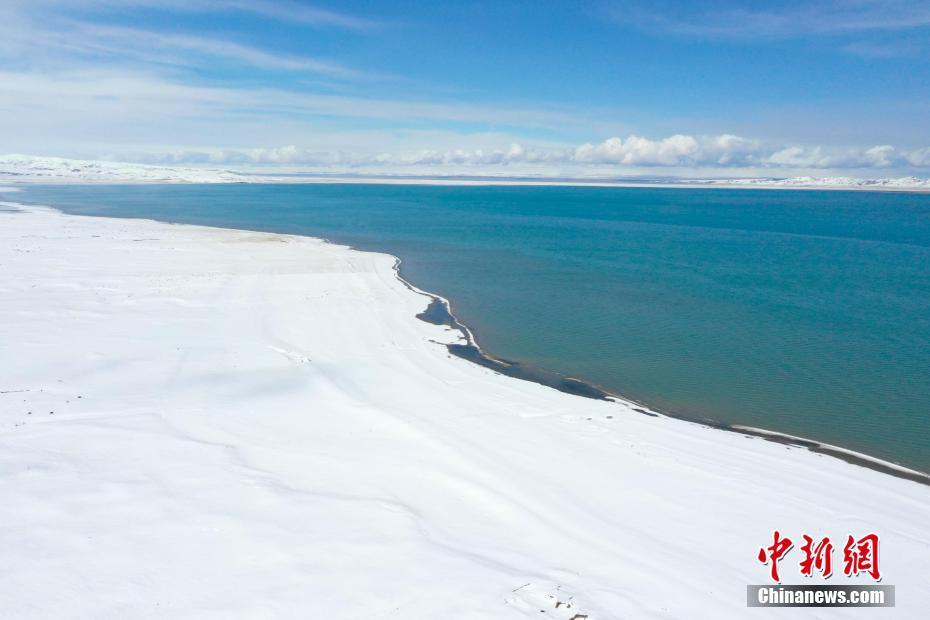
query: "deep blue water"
798, 311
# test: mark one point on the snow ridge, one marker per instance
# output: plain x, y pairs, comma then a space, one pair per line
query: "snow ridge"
910, 182
30, 168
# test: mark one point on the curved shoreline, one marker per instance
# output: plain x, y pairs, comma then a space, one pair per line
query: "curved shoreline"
439, 312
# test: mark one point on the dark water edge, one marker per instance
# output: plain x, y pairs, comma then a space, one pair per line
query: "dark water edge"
438, 312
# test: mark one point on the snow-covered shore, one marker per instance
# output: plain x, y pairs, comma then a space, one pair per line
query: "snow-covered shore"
207, 423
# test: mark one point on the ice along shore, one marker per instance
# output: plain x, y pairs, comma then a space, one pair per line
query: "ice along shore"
199, 422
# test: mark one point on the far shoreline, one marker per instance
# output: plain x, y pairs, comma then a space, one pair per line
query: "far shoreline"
10, 183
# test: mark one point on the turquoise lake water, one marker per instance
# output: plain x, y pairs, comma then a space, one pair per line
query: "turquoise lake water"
797, 311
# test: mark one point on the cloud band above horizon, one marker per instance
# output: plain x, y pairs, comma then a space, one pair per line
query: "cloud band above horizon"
725, 151
799, 87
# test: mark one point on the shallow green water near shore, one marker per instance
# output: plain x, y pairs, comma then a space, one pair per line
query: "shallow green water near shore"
797, 311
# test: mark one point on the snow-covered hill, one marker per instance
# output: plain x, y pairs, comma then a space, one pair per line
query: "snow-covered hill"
903, 183
30, 168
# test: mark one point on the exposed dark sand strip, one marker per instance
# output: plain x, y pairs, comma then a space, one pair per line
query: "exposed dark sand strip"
438, 313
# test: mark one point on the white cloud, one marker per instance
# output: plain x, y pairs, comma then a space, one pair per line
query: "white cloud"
882, 50
676, 150
640, 151
883, 156
121, 96
82, 89
919, 158
132, 43
723, 152
38, 41
771, 20
280, 10
290, 11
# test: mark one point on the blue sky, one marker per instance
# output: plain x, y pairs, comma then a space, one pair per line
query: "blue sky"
600, 87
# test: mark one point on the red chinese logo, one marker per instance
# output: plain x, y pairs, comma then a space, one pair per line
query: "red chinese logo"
819, 557
772, 554
859, 556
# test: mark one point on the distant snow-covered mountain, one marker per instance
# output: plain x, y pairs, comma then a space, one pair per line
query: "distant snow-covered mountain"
910, 183
30, 168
